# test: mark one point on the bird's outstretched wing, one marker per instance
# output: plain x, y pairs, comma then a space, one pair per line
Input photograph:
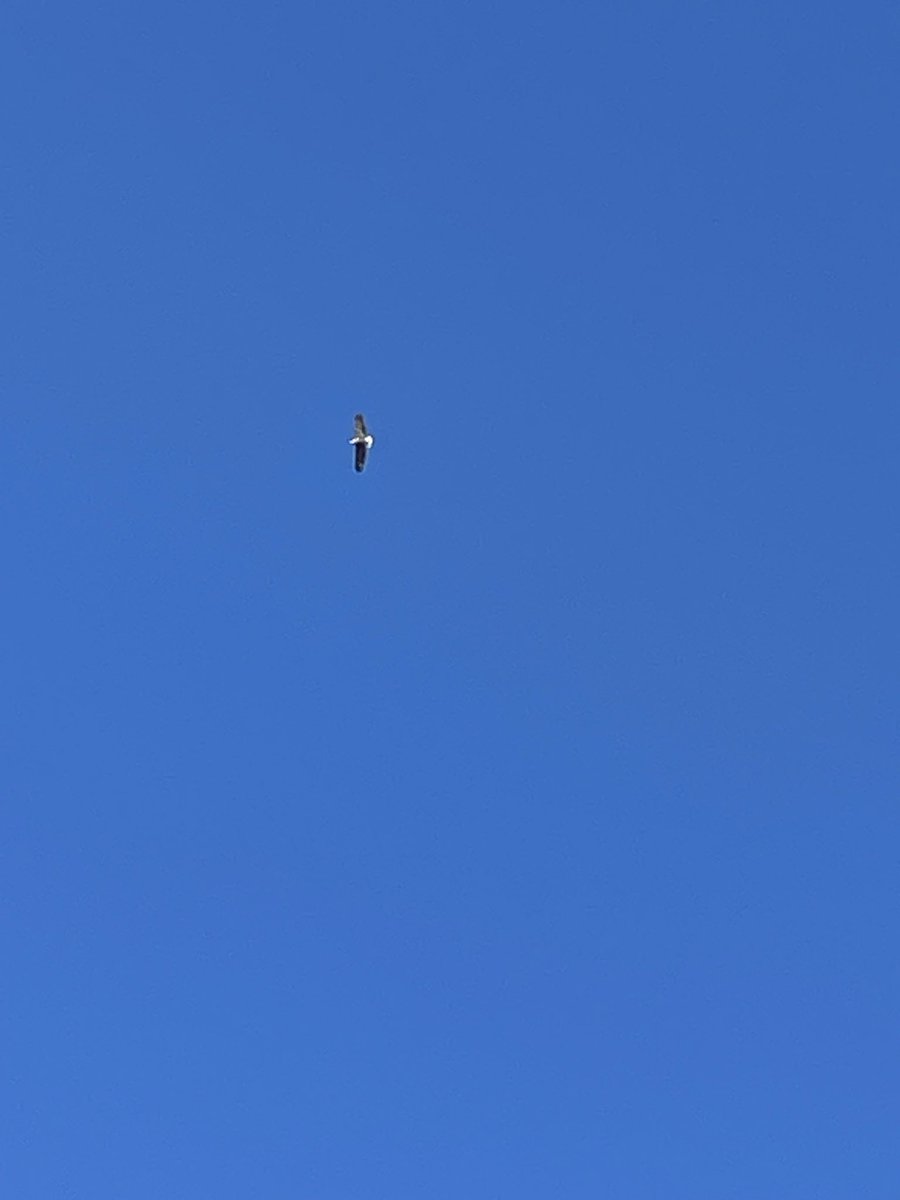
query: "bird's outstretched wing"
359, 422
362, 451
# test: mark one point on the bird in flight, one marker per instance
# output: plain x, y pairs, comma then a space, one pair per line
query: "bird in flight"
362, 442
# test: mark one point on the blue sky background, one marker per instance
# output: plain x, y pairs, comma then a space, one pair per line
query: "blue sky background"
518, 819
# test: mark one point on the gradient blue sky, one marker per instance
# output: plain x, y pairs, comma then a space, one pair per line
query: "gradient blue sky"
518, 819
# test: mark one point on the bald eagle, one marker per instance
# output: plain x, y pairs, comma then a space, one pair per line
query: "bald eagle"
362, 442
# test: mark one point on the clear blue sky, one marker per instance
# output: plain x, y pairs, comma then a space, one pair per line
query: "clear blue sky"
519, 818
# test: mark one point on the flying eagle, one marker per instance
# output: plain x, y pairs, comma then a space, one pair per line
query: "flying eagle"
362, 442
